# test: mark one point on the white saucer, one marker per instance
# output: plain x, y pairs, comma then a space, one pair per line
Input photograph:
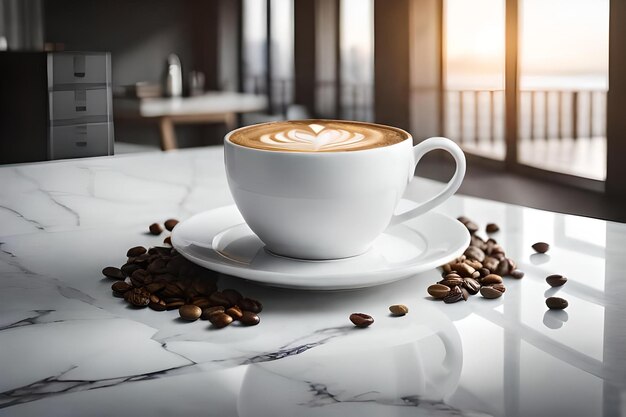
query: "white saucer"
220, 240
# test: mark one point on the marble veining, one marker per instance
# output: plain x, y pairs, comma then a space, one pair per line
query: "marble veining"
68, 348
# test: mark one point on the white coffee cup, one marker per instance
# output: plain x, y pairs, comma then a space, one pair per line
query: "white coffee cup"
328, 205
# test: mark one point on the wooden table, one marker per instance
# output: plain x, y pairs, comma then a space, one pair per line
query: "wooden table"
211, 107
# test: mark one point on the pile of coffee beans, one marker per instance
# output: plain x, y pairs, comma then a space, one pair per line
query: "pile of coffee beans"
479, 269
161, 279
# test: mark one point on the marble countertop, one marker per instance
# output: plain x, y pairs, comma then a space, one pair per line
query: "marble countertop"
68, 348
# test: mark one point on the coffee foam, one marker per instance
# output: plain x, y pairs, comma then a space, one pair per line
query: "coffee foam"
317, 136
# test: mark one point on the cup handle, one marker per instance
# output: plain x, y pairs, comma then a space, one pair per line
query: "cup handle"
419, 151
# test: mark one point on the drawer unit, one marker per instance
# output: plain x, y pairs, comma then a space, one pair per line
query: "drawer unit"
54, 105
77, 141
75, 67
77, 104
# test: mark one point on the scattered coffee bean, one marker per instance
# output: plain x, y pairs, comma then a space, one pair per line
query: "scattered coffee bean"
190, 312
170, 223
499, 287
438, 291
463, 269
492, 228
218, 299
361, 319
235, 312
233, 296
490, 292
137, 297
541, 247
472, 227
250, 304
556, 280
451, 281
155, 229
471, 285
121, 287
128, 268
398, 309
211, 310
455, 295
113, 272
491, 279
158, 306
517, 274
556, 303
484, 272
155, 287
168, 240
136, 251
201, 302
219, 319
463, 219
503, 267
173, 305
249, 318
475, 253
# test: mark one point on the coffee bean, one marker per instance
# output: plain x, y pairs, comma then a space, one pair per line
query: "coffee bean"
173, 305
170, 223
136, 251
249, 318
235, 312
155, 229
137, 297
541, 247
556, 280
438, 290
474, 253
202, 302
503, 267
250, 304
398, 309
158, 266
517, 274
455, 294
190, 312
499, 287
451, 281
218, 299
490, 263
129, 267
155, 287
361, 319
140, 277
490, 292
472, 227
476, 241
446, 268
491, 279
220, 320
492, 228
167, 240
484, 272
471, 285
473, 263
120, 287
463, 269
463, 219
556, 303
113, 272
211, 310
465, 293
158, 306
171, 290
233, 296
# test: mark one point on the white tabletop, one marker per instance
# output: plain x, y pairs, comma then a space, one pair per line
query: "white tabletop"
68, 348
214, 102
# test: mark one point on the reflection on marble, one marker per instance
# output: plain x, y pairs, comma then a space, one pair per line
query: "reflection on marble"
68, 348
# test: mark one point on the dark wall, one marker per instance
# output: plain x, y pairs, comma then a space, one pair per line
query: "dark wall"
140, 34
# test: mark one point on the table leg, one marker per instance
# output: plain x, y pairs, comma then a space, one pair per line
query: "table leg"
230, 120
168, 135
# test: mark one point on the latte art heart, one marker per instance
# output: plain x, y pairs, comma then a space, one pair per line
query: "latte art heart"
317, 136
325, 139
